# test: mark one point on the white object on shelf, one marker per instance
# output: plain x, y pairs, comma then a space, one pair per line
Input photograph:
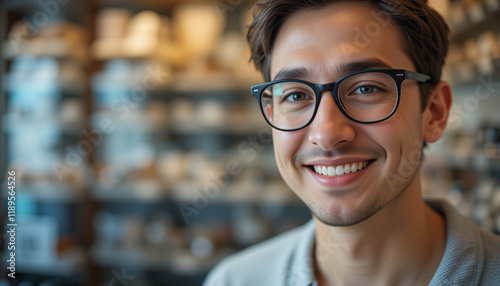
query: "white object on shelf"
212, 113
198, 27
142, 38
37, 238
111, 23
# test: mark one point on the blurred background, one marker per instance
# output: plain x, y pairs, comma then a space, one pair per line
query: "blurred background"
142, 159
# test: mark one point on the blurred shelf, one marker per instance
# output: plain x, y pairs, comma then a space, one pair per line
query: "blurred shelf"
68, 263
471, 30
180, 262
13, 124
477, 162
154, 194
211, 82
58, 49
53, 193
271, 193
488, 81
226, 127
244, 126
111, 257
32, 85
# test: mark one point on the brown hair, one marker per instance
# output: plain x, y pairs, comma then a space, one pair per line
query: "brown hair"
424, 33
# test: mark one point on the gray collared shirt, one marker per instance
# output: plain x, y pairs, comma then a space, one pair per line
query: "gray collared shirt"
471, 257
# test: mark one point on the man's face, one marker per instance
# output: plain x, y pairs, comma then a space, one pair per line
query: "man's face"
324, 45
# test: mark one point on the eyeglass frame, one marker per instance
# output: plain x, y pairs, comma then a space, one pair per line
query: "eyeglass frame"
398, 75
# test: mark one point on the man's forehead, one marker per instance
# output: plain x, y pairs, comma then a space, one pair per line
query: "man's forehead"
341, 33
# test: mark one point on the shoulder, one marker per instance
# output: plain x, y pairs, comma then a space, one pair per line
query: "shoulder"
491, 268
267, 260
472, 254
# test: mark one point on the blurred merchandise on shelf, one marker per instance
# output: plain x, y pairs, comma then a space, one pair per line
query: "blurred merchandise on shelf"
475, 45
57, 39
140, 152
44, 118
481, 203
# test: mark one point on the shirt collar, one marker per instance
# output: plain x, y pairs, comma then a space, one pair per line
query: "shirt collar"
301, 266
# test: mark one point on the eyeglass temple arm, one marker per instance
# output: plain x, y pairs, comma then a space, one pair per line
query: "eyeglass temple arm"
417, 76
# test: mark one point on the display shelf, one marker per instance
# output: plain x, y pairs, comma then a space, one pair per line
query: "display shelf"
110, 54
12, 124
186, 192
58, 49
63, 87
490, 21
477, 79
53, 193
128, 194
111, 257
210, 83
244, 126
236, 193
477, 162
230, 128
179, 262
68, 263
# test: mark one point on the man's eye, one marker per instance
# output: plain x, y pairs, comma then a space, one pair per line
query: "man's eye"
366, 89
297, 97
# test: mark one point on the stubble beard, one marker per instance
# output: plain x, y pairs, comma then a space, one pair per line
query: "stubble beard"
368, 207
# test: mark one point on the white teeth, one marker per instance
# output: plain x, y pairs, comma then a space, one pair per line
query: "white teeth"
331, 171
347, 169
354, 167
339, 170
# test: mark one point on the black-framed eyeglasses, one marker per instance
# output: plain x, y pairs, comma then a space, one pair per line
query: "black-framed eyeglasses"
368, 96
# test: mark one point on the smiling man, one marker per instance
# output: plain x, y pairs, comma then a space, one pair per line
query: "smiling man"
353, 94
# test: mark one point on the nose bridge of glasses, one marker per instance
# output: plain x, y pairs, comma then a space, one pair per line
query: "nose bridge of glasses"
320, 88
332, 107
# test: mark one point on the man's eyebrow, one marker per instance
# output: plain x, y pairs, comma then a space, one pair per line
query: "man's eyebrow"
345, 69
362, 66
296, 73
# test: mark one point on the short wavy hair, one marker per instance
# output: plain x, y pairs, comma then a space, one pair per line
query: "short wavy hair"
425, 34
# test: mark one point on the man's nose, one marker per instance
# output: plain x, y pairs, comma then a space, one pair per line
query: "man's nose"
330, 127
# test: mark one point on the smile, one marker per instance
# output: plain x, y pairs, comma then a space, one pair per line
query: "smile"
339, 170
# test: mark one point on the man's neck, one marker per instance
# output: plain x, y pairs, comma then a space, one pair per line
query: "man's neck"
400, 245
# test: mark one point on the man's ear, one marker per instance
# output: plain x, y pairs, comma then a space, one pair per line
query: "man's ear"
436, 112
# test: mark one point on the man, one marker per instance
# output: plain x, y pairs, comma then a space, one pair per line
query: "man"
353, 94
